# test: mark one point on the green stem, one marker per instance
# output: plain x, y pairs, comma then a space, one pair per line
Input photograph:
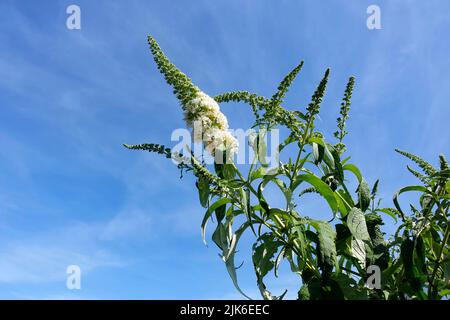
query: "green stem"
345, 202
431, 285
302, 145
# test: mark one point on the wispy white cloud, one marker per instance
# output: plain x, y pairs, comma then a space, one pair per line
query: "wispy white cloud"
45, 257
129, 224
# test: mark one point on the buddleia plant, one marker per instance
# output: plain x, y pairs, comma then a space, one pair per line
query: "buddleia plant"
331, 257
422, 268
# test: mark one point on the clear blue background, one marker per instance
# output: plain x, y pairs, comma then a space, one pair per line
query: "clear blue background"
69, 192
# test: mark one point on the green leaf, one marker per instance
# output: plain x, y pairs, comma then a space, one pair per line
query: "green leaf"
220, 212
229, 172
290, 139
287, 192
345, 202
278, 260
232, 248
406, 189
327, 155
258, 173
245, 201
349, 287
356, 222
419, 256
229, 262
374, 191
326, 236
321, 188
225, 170
220, 236
208, 213
203, 191
338, 170
407, 257
359, 252
379, 251
299, 239
354, 169
363, 195
446, 268
390, 212
331, 290
267, 178
263, 252
318, 152
310, 290
444, 292
218, 168
342, 234
260, 147
329, 158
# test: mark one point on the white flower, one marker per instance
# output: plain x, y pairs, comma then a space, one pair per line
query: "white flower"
209, 125
218, 140
202, 102
231, 143
221, 121
199, 128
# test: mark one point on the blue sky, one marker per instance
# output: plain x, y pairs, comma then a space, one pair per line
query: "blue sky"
70, 194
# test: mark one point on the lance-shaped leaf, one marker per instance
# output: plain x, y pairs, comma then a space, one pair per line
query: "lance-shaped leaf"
228, 257
219, 236
208, 213
406, 189
363, 195
393, 213
321, 188
327, 155
264, 251
326, 237
318, 152
203, 191
412, 274
354, 169
359, 252
356, 222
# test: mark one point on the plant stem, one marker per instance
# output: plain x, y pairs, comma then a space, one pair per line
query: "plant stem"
302, 145
431, 285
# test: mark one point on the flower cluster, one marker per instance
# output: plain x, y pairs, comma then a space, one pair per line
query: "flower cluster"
209, 125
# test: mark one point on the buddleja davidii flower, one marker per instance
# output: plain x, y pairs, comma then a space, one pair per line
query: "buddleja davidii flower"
201, 112
183, 87
210, 126
217, 142
344, 115
205, 109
